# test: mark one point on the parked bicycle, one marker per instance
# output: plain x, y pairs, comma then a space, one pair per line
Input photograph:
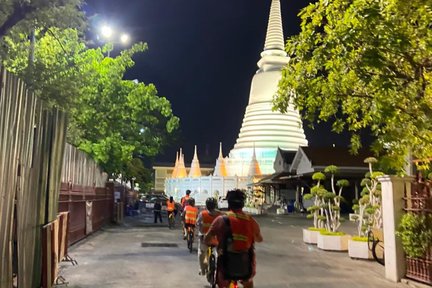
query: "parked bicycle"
376, 245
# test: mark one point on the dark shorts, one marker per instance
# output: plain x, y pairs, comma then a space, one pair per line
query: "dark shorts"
189, 225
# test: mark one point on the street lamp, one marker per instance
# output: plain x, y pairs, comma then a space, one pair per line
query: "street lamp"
108, 33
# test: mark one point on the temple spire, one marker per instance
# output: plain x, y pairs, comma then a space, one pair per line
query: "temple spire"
174, 173
274, 37
274, 57
181, 169
254, 168
220, 168
195, 170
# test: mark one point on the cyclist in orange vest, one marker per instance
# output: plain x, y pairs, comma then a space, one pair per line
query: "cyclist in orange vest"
170, 206
205, 219
189, 215
245, 231
184, 200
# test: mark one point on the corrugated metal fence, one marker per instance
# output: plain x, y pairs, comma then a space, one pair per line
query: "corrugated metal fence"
84, 194
32, 143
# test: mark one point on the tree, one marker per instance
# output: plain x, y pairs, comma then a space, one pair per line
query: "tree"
111, 119
61, 69
365, 64
26, 15
368, 209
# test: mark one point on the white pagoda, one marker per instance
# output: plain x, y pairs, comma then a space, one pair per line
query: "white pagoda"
263, 130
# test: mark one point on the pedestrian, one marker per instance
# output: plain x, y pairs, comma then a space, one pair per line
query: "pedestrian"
157, 208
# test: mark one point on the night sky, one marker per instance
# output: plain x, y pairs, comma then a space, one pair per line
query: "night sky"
202, 56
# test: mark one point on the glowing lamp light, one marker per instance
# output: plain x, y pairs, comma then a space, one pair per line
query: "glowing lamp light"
106, 31
124, 38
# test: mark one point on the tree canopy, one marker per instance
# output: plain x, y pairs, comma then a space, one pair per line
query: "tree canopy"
365, 64
25, 15
112, 119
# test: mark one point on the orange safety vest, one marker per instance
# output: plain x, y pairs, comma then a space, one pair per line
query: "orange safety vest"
191, 214
242, 230
184, 200
170, 206
207, 220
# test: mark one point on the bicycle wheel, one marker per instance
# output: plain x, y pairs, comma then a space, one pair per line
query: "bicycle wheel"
378, 251
190, 241
211, 271
171, 221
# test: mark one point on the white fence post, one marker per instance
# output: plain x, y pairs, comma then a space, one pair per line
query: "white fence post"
393, 188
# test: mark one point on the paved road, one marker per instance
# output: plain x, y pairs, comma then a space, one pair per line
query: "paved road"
115, 257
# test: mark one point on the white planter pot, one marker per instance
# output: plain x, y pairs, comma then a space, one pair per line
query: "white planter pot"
280, 211
310, 236
359, 250
333, 243
251, 210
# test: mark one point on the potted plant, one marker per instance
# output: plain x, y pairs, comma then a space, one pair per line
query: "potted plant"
415, 232
332, 239
368, 212
310, 234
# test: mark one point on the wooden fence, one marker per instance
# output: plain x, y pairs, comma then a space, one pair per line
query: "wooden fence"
40, 176
31, 152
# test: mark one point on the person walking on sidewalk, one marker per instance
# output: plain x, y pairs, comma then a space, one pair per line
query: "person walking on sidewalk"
157, 208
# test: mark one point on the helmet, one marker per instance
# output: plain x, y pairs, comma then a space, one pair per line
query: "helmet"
235, 198
188, 192
211, 203
191, 201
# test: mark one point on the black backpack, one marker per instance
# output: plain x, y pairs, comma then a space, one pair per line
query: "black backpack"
237, 265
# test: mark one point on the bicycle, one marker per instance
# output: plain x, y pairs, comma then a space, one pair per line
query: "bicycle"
211, 268
376, 245
171, 220
190, 238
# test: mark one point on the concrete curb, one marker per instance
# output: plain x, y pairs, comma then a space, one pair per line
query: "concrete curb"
414, 284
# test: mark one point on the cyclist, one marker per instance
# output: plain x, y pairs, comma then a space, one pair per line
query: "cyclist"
184, 200
170, 207
205, 219
245, 231
189, 216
